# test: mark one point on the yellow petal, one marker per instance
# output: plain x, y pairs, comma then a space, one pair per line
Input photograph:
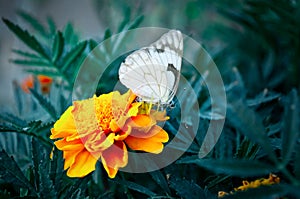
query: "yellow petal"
114, 158
84, 164
153, 144
65, 126
85, 117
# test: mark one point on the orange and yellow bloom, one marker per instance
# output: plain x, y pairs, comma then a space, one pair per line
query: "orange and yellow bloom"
102, 128
44, 81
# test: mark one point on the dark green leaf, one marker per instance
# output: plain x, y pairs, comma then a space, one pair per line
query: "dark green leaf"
24, 36
34, 23
233, 167
11, 173
250, 124
44, 127
297, 163
186, 189
41, 170
246, 150
134, 186
79, 184
73, 54
161, 180
8, 128
13, 119
291, 128
45, 103
57, 47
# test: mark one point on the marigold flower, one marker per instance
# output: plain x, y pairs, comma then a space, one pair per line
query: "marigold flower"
273, 179
102, 128
44, 81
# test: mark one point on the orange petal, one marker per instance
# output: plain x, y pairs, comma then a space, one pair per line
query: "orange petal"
70, 157
142, 122
69, 145
84, 164
27, 83
150, 144
65, 126
43, 79
114, 158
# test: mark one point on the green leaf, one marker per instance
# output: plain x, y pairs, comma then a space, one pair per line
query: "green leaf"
51, 25
297, 163
11, 173
33, 22
80, 184
233, 167
246, 150
57, 47
26, 54
263, 97
44, 127
249, 124
51, 72
18, 96
108, 43
32, 62
135, 23
133, 186
28, 39
161, 180
13, 119
45, 103
70, 35
41, 170
73, 54
127, 14
290, 132
186, 189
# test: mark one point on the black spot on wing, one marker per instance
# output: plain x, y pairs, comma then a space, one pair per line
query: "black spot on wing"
160, 50
172, 69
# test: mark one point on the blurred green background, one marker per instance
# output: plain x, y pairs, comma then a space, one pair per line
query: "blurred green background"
260, 38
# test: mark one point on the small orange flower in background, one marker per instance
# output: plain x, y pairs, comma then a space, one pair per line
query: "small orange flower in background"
44, 81
102, 128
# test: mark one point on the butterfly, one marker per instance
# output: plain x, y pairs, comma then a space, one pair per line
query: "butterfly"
153, 72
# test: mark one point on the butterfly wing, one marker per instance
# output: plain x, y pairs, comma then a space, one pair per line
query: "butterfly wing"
152, 73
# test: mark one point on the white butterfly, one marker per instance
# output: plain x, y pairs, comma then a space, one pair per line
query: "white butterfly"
152, 73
